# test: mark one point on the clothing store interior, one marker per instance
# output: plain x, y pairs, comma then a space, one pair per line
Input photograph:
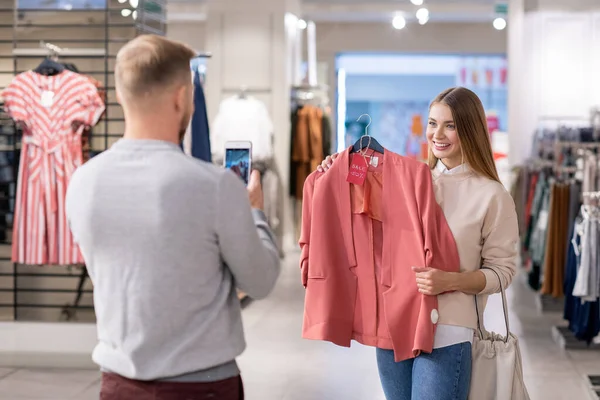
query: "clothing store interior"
301, 80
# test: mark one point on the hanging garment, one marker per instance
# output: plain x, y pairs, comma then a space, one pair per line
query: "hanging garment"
327, 135
358, 244
243, 119
86, 135
200, 135
48, 107
583, 316
556, 248
307, 146
272, 196
587, 284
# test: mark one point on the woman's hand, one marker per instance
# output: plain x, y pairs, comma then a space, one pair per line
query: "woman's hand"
327, 163
432, 282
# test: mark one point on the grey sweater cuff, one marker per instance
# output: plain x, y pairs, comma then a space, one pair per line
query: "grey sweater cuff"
259, 216
264, 230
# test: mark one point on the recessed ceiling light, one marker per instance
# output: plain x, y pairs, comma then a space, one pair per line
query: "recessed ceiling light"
399, 22
417, 2
422, 13
126, 12
423, 21
500, 23
302, 24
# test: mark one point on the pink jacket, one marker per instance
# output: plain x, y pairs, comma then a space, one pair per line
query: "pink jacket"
415, 233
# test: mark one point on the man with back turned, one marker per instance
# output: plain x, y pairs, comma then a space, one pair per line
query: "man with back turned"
167, 239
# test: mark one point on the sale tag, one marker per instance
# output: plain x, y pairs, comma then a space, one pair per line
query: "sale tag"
358, 170
47, 98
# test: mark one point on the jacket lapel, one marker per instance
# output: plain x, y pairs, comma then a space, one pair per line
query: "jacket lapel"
339, 172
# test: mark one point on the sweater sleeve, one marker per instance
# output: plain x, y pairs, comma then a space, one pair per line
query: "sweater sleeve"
440, 248
500, 234
246, 243
307, 197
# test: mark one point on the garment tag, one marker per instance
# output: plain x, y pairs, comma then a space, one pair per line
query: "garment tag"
374, 161
358, 170
47, 98
543, 220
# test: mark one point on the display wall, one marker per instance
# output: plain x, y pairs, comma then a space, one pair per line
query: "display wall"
558, 73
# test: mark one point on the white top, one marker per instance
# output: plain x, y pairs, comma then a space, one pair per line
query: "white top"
448, 335
243, 119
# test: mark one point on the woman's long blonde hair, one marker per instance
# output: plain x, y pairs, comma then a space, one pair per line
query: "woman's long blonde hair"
471, 127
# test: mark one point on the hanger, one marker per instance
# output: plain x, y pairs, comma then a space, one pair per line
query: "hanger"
49, 67
372, 143
71, 67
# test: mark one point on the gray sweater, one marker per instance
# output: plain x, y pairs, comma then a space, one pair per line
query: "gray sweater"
167, 239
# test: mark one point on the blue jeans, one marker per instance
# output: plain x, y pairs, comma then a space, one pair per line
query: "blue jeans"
445, 374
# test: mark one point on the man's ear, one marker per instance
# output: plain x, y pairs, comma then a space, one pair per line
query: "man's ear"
180, 98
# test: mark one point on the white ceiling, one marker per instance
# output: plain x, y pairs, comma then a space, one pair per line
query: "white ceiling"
357, 11
400, 2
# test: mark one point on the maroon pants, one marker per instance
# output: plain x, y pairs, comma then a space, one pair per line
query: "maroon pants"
115, 387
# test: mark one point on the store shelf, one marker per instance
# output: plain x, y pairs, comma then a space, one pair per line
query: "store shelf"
567, 340
549, 304
595, 383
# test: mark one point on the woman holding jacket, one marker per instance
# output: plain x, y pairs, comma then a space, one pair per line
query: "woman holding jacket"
482, 217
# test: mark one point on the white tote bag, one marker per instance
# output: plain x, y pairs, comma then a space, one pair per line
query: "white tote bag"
497, 366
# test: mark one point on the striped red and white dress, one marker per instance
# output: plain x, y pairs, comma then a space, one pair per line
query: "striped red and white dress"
47, 107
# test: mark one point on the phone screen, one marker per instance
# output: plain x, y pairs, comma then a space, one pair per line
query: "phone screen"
238, 160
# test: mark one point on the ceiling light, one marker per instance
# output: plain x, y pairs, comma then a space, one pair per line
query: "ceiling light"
500, 23
302, 24
122, 1
423, 21
134, 3
417, 2
126, 12
134, 15
399, 22
422, 13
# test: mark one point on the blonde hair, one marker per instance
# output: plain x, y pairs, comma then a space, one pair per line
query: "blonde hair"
471, 127
149, 64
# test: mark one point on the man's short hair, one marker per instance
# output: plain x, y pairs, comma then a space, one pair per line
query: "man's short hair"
149, 64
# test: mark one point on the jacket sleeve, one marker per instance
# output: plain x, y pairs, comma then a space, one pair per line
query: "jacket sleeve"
500, 235
307, 197
440, 247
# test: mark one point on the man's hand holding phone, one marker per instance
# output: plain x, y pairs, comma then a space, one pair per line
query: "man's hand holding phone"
255, 192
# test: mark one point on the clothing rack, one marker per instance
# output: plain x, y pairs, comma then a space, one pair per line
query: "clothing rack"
554, 194
45, 293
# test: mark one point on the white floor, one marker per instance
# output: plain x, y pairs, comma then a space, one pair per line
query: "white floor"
278, 365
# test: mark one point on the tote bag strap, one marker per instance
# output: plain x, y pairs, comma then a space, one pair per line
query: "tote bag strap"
504, 307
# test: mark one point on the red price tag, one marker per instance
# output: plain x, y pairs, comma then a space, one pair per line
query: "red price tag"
358, 170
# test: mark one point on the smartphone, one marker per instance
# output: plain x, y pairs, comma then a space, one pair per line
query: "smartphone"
238, 158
